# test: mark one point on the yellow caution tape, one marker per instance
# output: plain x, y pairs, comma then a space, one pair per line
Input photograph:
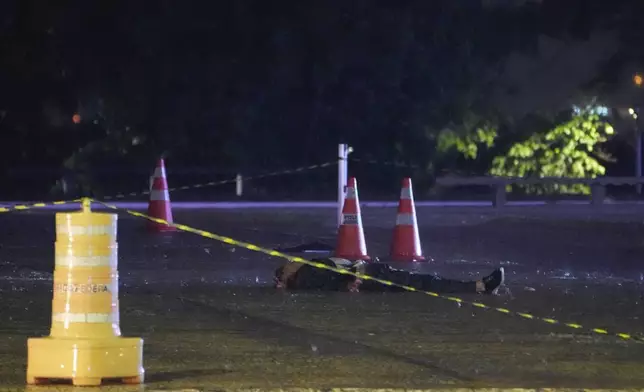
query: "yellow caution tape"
224, 182
271, 252
23, 207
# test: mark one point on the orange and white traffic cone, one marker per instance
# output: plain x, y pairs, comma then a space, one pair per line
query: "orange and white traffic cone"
351, 244
405, 245
159, 206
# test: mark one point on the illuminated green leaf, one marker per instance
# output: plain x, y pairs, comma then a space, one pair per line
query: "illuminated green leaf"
565, 151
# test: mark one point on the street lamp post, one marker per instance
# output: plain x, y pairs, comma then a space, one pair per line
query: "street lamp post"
638, 156
638, 81
638, 148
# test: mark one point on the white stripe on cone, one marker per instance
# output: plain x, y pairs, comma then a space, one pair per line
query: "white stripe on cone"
405, 220
159, 195
159, 172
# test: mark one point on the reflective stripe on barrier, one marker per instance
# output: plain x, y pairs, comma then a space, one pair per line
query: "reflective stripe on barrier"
86, 261
87, 230
296, 259
77, 318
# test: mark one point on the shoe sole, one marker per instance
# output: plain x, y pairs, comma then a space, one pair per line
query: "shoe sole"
501, 283
496, 290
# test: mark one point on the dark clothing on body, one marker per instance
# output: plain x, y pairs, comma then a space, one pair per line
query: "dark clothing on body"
418, 281
294, 276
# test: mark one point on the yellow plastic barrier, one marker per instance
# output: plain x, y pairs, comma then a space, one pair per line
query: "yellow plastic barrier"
85, 344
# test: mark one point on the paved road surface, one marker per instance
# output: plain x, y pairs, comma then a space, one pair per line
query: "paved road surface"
210, 320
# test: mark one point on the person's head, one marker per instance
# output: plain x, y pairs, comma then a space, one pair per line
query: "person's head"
277, 279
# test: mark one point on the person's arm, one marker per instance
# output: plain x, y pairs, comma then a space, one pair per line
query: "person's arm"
285, 275
297, 276
380, 271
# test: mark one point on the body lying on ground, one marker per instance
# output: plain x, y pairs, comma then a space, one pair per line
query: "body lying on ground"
299, 276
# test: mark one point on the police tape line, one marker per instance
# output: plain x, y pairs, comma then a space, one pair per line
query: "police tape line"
23, 207
296, 259
225, 182
385, 163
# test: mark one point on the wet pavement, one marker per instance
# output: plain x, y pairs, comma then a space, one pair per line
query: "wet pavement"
211, 321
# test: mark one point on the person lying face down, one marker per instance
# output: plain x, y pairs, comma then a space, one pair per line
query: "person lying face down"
298, 276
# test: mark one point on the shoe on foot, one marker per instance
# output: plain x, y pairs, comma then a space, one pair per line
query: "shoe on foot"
494, 280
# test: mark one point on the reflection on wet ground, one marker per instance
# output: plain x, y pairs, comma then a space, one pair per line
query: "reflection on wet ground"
210, 319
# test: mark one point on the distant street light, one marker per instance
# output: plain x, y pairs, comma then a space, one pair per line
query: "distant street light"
633, 113
638, 80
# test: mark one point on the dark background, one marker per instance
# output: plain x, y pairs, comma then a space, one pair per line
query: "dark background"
220, 87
